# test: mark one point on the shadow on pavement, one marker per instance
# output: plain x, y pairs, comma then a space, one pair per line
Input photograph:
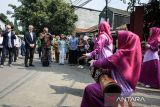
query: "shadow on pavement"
67, 90
68, 72
6, 106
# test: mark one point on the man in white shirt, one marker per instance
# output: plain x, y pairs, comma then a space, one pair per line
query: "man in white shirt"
17, 43
1, 46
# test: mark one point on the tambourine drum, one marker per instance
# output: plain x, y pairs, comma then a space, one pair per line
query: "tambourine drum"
112, 88
108, 85
103, 77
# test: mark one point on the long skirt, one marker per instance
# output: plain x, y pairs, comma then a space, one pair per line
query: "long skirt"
93, 96
150, 73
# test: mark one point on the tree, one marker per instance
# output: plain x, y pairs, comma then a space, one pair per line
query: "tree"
151, 16
55, 14
62, 17
5, 19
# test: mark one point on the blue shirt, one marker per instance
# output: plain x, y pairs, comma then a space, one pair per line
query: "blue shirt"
62, 45
73, 43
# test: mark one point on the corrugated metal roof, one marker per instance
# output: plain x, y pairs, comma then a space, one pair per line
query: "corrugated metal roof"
118, 11
122, 27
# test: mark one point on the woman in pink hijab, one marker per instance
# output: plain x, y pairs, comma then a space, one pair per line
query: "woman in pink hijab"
125, 67
104, 43
150, 72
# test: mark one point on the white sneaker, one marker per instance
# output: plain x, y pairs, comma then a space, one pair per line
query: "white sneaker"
79, 66
82, 67
1, 66
147, 86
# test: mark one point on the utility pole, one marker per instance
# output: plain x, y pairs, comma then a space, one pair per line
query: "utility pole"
106, 10
133, 5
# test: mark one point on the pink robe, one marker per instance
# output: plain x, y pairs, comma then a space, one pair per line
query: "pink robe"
104, 44
125, 63
150, 72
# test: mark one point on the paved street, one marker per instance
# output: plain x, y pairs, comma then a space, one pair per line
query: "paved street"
54, 86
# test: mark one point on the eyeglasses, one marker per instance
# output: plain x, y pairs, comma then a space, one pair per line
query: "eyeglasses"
30, 27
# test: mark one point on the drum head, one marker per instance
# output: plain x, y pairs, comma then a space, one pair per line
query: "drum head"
112, 88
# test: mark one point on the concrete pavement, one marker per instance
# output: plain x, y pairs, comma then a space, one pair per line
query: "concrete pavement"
54, 86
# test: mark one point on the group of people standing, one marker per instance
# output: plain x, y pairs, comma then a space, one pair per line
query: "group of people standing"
124, 66
61, 47
55, 48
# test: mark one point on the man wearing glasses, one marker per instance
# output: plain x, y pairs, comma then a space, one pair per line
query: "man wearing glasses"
8, 44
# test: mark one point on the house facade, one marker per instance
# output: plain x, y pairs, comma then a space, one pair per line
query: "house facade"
86, 17
116, 17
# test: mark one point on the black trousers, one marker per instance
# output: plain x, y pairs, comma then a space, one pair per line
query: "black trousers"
72, 56
40, 51
81, 61
46, 53
29, 55
10, 53
56, 55
16, 53
1, 51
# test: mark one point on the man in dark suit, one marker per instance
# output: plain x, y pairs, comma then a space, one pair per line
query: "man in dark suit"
8, 44
30, 44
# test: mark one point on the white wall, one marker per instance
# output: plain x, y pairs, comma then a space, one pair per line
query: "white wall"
86, 18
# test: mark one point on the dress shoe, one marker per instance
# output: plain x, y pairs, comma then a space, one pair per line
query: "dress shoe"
10, 65
26, 66
31, 65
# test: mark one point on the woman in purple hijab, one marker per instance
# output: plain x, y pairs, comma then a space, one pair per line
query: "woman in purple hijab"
124, 66
150, 72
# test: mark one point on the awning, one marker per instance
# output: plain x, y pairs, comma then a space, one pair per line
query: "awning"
89, 30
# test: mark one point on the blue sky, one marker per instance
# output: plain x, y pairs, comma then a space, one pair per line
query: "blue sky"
94, 4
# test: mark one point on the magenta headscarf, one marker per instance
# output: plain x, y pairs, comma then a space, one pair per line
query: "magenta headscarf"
154, 38
104, 28
127, 59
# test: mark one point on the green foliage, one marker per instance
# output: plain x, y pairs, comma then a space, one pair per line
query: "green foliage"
5, 19
151, 16
55, 14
